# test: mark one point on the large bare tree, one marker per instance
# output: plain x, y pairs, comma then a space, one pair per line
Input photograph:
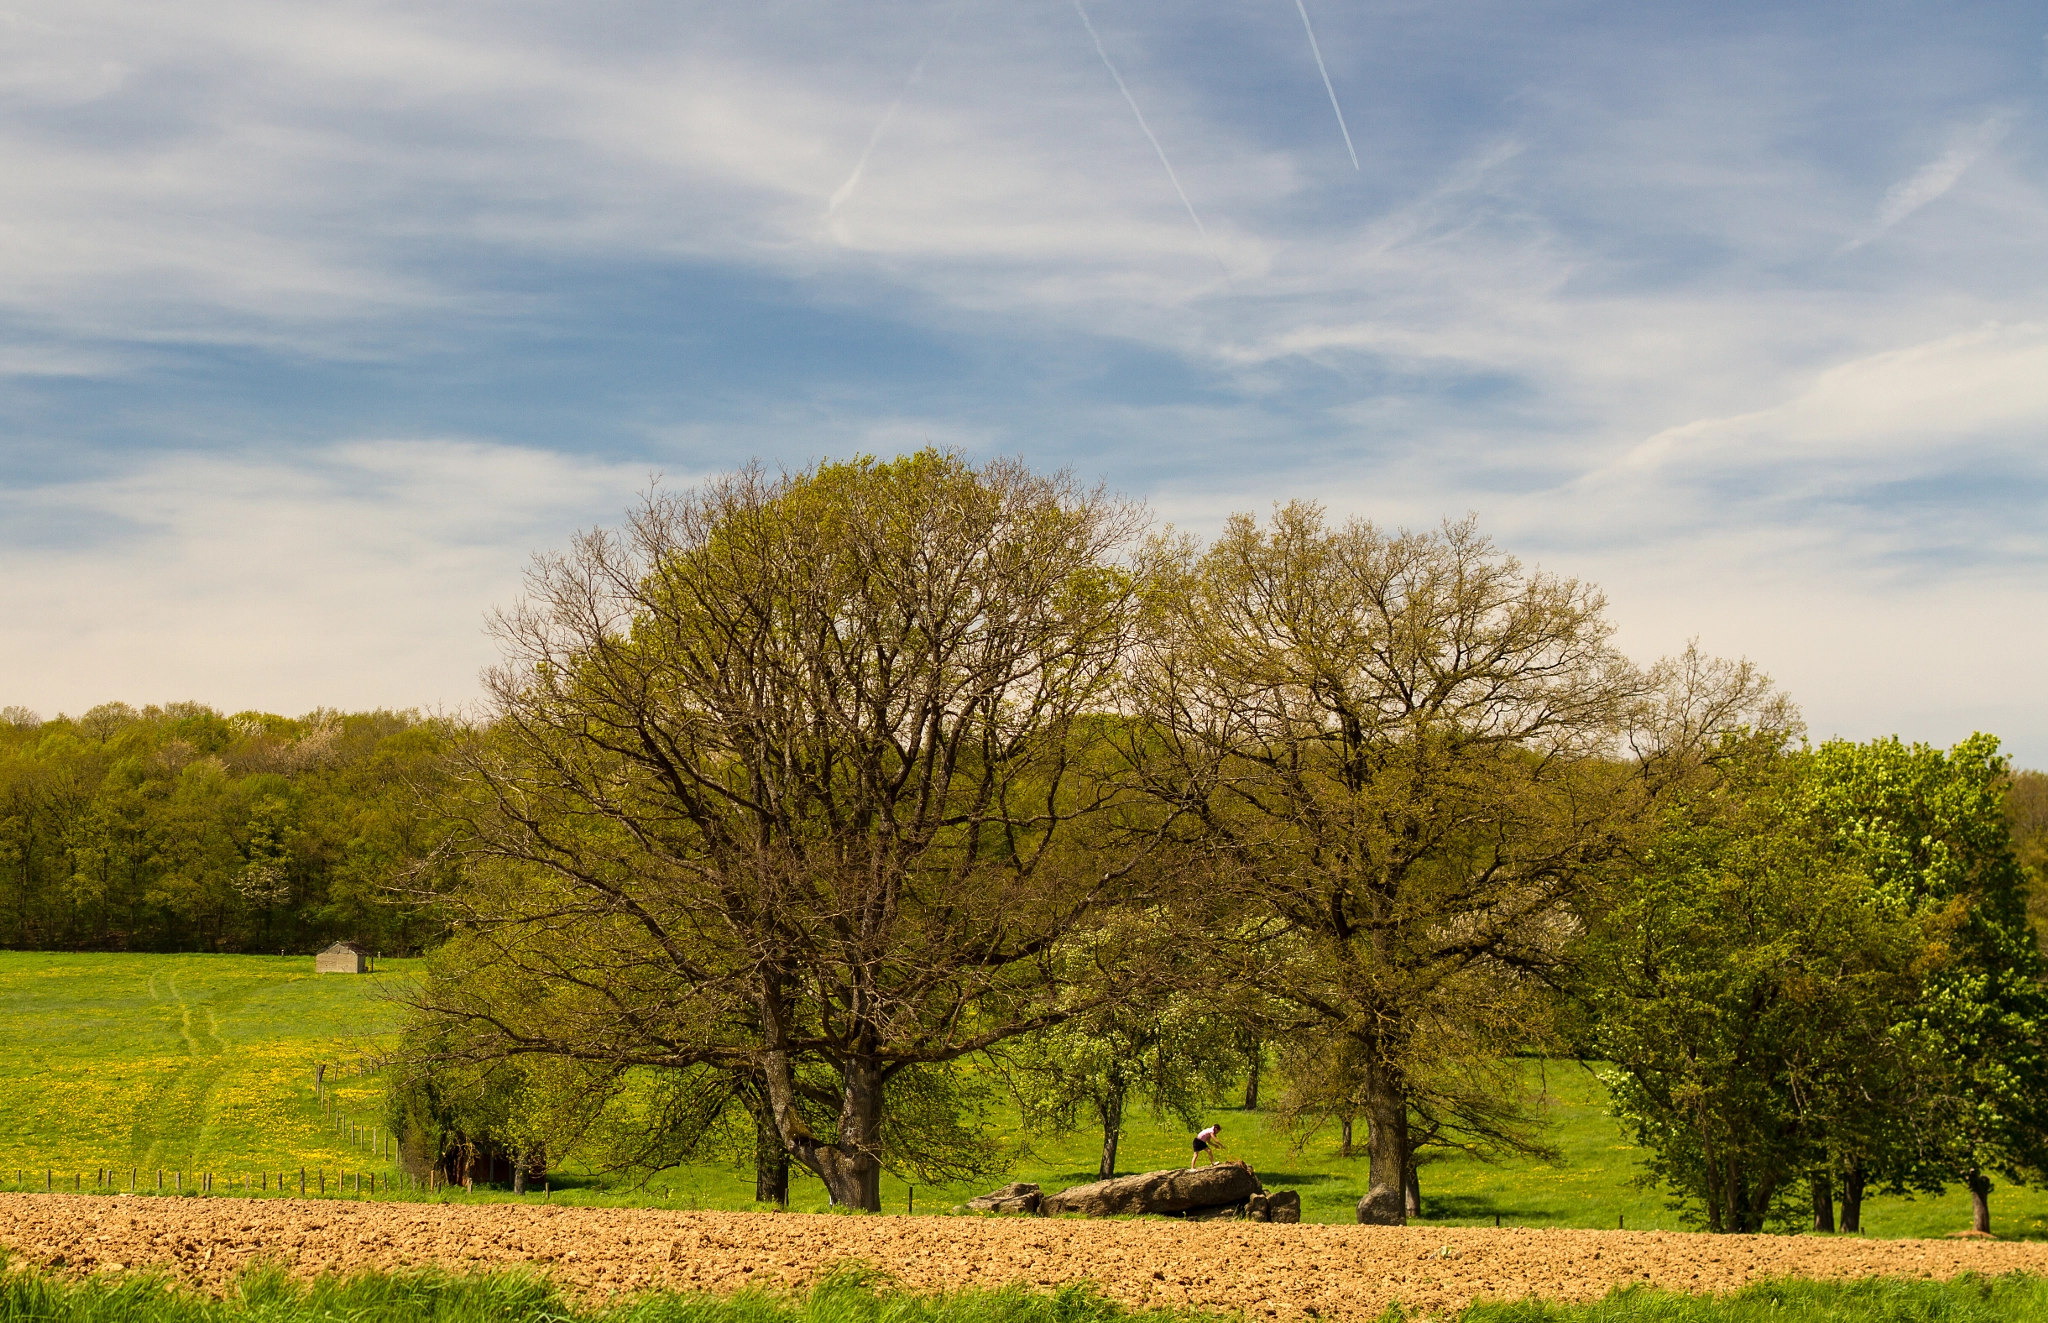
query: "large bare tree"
1411, 751
780, 782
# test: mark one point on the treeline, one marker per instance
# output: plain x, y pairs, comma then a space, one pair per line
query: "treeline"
178, 828
817, 809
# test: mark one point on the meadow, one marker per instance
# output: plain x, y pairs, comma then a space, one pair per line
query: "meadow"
187, 1063
203, 1063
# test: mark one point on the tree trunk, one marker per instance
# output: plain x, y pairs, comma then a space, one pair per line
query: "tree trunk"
1823, 1202
1716, 1194
1980, 1202
1852, 1197
1758, 1205
1111, 1110
771, 1165
1345, 1151
855, 1179
852, 1167
1411, 1191
519, 1174
1257, 1054
1386, 1144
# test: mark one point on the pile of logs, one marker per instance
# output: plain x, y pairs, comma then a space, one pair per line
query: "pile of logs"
1225, 1190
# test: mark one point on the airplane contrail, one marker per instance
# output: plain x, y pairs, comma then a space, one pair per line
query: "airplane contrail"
1150, 137
845, 190
1327, 85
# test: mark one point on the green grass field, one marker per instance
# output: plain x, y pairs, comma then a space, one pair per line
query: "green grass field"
189, 1063
205, 1064
853, 1297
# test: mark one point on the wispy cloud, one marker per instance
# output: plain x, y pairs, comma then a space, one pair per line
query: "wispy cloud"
1316, 48
845, 190
1146, 129
1935, 178
286, 583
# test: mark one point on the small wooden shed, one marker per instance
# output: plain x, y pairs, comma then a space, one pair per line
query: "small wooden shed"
342, 958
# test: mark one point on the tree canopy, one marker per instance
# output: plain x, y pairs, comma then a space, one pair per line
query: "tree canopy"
783, 782
177, 828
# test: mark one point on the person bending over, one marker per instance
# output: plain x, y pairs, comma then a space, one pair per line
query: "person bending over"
1208, 1141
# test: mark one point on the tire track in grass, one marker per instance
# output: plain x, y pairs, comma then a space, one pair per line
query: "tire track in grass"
176, 1122
146, 1147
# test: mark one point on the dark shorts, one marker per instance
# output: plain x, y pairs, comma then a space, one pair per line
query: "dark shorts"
1201, 1145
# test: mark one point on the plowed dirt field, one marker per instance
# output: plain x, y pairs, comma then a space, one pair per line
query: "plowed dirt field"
1263, 1271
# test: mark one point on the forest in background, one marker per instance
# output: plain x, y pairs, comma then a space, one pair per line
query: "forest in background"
178, 828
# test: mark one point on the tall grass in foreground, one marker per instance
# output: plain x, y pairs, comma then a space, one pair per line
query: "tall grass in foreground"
28, 1295
1968, 1299
429, 1296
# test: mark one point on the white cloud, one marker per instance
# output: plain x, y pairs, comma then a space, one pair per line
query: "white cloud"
1909, 614
1988, 382
1937, 177
1599, 302
354, 577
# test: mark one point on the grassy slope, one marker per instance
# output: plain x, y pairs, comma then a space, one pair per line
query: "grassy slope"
201, 1063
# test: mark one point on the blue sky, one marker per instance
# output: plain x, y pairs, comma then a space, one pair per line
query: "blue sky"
317, 320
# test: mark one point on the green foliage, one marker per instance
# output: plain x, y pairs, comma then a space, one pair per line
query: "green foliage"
176, 828
1824, 965
460, 1119
1173, 1057
1930, 831
2026, 815
1750, 985
1173, 1051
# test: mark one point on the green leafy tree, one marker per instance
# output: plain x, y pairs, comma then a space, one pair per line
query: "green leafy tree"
2026, 816
1750, 993
783, 782
1930, 830
1401, 749
1172, 1051
1824, 970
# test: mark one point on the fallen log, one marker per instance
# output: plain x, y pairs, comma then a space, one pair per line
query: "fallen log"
1174, 1191
1018, 1197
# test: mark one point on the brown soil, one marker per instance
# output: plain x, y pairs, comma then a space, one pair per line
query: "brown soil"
1265, 1271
